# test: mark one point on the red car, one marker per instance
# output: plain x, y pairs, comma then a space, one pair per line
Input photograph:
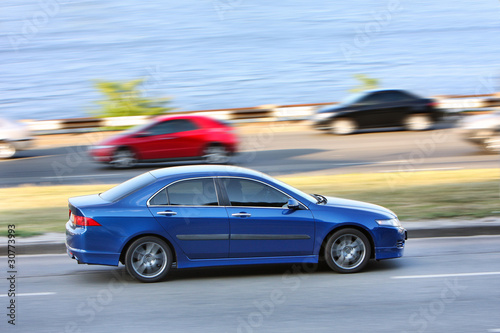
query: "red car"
169, 138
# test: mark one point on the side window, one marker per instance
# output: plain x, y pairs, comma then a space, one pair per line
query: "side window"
172, 126
184, 125
165, 127
244, 192
193, 192
368, 100
159, 199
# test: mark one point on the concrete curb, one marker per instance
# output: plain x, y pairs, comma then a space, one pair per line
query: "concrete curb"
54, 243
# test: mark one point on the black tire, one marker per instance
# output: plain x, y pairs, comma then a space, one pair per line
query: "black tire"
124, 158
343, 126
418, 122
148, 259
216, 153
347, 251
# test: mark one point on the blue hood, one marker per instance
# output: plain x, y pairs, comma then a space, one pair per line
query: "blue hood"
346, 203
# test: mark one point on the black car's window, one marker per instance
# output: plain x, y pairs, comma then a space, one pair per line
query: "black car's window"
159, 199
244, 192
130, 186
172, 126
193, 192
376, 98
399, 96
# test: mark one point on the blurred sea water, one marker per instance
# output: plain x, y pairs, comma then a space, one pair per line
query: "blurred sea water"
209, 54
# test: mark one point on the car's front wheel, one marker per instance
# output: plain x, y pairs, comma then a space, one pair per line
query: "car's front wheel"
148, 259
347, 251
123, 158
343, 126
7, 150
418, 122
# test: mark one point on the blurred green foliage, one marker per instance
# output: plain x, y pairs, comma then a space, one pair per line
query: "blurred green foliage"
365, 83
125, 98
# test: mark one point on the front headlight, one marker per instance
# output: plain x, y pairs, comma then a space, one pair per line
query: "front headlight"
100, 147
322, 116
391, 223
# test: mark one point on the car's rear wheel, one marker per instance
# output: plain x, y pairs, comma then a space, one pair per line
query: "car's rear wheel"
347, 251
418, 122
343, 126
148, 259
216, 154
124, 158
7, 150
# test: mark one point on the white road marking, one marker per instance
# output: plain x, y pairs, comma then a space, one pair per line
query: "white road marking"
24, 158
31, 294
431, 276
494, 330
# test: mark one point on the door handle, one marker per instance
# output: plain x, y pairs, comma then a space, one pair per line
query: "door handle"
241, 214
167, 213
169, 138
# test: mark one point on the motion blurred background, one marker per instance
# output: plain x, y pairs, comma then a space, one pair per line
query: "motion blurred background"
236, 53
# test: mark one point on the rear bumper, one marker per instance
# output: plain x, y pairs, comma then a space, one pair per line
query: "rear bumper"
78, 248
95, 258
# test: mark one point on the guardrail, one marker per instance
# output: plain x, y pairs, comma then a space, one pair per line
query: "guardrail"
262, 113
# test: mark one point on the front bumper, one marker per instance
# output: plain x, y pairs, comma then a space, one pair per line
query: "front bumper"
396, 248
22, 144
101, 155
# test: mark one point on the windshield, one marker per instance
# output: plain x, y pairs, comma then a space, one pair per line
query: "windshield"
137, 128
351, 99
126, 188
294, 190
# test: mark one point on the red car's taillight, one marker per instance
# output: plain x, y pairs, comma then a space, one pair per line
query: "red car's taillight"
433, 104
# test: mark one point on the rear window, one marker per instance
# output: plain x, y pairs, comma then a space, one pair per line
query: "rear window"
126, 188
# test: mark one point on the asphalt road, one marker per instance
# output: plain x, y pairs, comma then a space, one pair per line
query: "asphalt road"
441, 285
276, 152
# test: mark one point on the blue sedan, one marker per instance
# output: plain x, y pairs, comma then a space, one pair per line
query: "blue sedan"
199, 216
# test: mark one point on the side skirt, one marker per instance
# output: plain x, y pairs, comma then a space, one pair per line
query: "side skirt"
191, 263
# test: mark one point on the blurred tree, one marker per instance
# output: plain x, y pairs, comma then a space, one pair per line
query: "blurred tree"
125, 98
365, 83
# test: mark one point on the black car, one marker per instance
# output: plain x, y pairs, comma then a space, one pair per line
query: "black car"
378, 108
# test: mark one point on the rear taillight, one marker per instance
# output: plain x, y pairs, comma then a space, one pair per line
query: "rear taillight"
433, 104
83, 221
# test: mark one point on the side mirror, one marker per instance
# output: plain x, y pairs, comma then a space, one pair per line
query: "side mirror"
293, 204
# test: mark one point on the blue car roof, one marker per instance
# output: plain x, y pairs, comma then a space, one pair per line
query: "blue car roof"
205, 170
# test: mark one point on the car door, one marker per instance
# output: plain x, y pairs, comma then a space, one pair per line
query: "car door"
175, 138
261, 225
377, 110
190, 213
